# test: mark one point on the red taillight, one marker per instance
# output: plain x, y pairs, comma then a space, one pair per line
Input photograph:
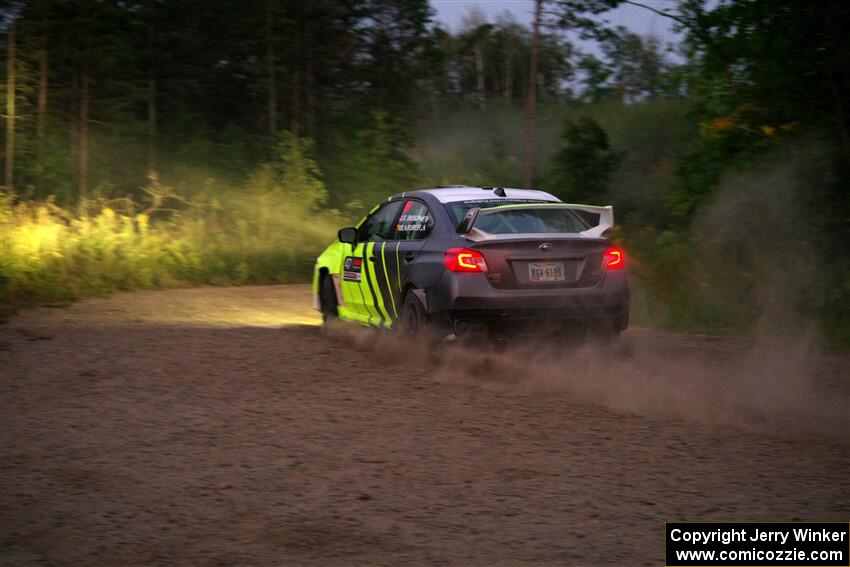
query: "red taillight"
464, 260
614, 259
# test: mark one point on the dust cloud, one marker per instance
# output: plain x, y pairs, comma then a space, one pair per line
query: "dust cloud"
771, 386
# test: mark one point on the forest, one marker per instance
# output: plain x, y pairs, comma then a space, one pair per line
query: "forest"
153, 143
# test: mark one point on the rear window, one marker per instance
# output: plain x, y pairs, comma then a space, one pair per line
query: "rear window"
459, 208
542, 220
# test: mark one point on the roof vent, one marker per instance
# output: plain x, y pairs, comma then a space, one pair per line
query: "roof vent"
499, 191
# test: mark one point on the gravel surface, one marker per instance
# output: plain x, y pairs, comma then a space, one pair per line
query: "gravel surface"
222, 427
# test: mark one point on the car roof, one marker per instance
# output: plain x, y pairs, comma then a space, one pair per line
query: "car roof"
455, 193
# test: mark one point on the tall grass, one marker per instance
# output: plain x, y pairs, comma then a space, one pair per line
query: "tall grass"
267, 230
49, 254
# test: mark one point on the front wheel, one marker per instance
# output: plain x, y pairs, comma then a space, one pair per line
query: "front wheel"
328, 301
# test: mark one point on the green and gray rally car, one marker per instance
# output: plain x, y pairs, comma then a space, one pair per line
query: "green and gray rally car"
458, 259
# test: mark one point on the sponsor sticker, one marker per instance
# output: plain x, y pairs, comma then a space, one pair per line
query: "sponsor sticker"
413, 222
352, 269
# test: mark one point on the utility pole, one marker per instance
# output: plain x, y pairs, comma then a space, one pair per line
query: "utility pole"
531, 101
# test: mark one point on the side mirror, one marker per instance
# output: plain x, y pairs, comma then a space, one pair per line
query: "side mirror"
347, 235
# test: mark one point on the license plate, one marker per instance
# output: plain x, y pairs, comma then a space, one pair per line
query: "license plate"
546, 271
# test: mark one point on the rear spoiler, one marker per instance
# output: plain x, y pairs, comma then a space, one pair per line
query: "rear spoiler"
606, 216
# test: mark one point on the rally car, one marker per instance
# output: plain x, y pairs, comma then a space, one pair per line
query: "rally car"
457, 259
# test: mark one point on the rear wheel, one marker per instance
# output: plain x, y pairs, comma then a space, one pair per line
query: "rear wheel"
327, 300
413, 320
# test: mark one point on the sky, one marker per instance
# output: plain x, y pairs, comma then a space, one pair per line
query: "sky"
641, 21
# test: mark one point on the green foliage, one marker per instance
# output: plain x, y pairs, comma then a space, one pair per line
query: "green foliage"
650, 135
369, 160
634, 69
582, 166
487, 62
267, 230
480, 148
295, 179
47, 254
761, 75
672, 288
596, 76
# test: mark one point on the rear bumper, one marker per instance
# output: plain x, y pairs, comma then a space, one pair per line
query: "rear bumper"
471, 297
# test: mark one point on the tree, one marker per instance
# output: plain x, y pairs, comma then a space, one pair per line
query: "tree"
511, 39
367, 159
531, 100
152, 53
43, 85
584, 162
637, 66
394, 44
596, 85
11, 94
271, 67
762, 74
474, 42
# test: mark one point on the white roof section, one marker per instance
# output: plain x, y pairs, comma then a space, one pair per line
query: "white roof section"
465, 193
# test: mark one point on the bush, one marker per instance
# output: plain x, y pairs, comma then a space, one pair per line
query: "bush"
583, 164
266, 231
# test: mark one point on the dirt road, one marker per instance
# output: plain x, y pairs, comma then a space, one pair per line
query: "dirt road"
220, 427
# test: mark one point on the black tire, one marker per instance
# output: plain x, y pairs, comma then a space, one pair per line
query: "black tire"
413, 320
327, 300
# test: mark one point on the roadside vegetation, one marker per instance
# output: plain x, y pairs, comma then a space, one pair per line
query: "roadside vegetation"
158, 144
267, 230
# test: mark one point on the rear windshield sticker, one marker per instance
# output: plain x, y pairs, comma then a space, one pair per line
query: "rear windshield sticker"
496, 202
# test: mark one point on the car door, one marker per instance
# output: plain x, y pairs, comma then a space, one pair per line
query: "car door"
360, 284
397, 257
